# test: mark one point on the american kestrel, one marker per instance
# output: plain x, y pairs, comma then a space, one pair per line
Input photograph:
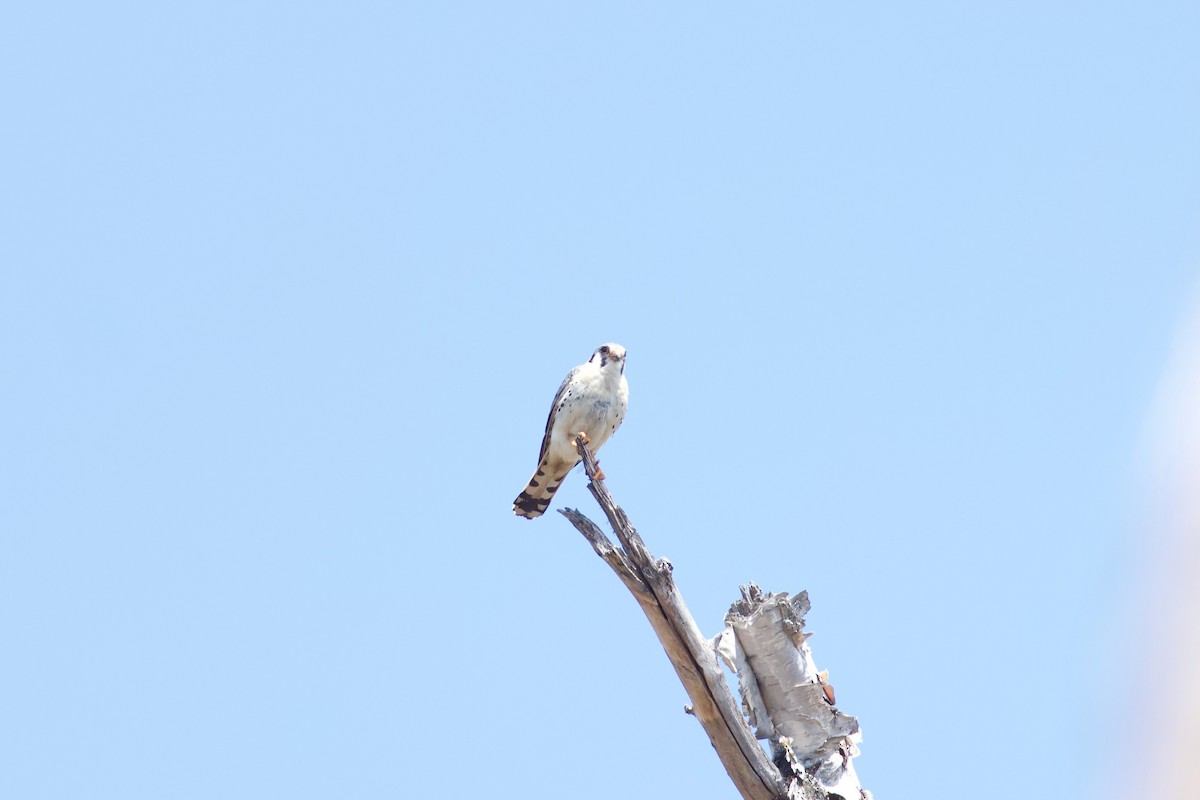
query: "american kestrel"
591, 401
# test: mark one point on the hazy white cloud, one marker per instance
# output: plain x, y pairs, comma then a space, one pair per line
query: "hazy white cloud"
1163, 715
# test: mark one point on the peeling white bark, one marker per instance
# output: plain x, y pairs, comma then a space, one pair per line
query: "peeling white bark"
788, 700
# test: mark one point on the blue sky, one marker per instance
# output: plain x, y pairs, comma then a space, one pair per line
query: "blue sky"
287, 289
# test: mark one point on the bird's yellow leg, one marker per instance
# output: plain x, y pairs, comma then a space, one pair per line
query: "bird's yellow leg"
587, 441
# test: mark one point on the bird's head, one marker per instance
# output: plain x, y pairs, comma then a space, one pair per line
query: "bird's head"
609, 356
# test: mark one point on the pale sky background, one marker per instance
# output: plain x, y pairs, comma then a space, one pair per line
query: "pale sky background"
286, 291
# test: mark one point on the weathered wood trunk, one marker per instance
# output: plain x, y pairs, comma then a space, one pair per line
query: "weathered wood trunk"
789, 703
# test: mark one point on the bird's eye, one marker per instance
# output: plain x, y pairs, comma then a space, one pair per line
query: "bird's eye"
604, 350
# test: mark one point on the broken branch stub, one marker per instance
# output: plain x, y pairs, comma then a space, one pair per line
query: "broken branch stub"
788, 700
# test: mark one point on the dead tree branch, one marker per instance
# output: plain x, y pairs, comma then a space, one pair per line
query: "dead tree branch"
808, 760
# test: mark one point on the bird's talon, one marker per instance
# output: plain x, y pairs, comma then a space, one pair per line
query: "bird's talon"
585, 438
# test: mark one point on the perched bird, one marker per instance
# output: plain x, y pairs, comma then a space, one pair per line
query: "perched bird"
591, 401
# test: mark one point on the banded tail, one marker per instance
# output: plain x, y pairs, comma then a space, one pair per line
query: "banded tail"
535, 499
